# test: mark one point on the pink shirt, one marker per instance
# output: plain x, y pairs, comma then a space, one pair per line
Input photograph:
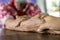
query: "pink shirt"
30, 9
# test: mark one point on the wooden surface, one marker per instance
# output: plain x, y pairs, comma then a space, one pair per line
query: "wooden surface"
13, 35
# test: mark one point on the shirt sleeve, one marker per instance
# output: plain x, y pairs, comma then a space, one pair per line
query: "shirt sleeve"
6, 10
33, 9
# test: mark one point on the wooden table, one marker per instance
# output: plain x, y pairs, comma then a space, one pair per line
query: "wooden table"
13, 35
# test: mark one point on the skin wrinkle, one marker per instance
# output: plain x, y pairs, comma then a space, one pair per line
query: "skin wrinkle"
52, 23
26, 18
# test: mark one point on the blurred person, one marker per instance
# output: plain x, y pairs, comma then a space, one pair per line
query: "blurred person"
20, 8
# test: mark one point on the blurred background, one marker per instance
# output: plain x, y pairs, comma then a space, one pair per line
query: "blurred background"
51, 7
